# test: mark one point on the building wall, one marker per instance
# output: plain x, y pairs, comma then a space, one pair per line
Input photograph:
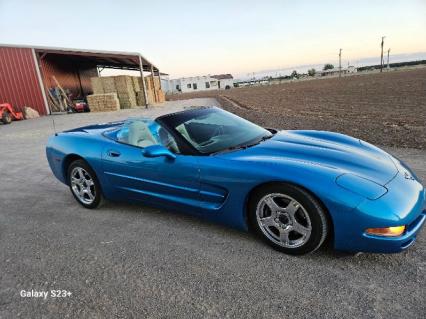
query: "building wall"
199, 84
165, 83
187, 84
19, 84
172, 86
226, 82
70, 75
200, 81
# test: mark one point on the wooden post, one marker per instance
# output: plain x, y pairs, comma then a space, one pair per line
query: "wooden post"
67, 100
143, 81
381, 56
159, 78
340, 63
40, 82
153, 84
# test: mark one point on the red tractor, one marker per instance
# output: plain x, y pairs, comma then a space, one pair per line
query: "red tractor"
8, 114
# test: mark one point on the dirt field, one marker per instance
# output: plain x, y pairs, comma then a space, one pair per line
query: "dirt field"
384, 109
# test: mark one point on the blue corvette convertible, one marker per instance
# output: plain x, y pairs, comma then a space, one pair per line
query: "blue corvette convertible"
295, 189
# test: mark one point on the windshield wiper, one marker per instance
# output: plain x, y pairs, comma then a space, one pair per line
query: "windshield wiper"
267, 137
264, 138
243, 146
231, 148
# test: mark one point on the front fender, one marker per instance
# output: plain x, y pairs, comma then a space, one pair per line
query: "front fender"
239, 178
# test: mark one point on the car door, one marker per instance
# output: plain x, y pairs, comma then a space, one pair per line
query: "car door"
160, 180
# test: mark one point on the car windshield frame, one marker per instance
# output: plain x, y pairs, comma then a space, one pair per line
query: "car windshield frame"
173, 120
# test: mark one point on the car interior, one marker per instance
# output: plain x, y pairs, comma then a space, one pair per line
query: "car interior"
143, 133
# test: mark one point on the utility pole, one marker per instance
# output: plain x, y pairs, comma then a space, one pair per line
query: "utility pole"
340, 63
388, 58
381, 55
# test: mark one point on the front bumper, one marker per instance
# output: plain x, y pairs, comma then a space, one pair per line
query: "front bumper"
396, 244
403, 204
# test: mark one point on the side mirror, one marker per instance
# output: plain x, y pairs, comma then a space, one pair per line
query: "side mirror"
157, 151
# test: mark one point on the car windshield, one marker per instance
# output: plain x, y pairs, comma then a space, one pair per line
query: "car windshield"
212, 130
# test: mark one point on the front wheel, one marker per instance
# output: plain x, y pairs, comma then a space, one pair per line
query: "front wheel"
6, 118
288, 218
84, 184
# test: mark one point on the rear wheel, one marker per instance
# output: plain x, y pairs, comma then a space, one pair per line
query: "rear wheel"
6, 118
84, 184
288, 218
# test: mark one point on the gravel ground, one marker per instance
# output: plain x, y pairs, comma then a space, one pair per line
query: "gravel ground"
383, 108
126, 261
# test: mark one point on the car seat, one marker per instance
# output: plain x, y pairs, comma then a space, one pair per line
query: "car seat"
167, 140
140, 135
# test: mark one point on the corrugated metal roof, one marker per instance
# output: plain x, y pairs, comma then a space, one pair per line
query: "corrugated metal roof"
19, 84
84, 52
223, 76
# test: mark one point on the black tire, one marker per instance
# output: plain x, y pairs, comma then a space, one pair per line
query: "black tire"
95, 188
317, 216
6, 118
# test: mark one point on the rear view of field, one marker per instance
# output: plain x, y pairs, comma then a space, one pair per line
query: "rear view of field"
385, 109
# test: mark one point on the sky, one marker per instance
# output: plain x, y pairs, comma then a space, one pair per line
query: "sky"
189, 38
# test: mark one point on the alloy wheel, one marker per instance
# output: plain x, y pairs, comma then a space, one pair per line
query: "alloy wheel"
283, 220
82, 185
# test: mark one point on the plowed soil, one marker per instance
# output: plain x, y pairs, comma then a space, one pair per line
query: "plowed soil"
384, 108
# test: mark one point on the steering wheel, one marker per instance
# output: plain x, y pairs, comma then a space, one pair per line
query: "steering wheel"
209, 141
218, 131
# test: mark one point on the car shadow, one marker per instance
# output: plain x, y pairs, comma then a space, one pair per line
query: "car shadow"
325, 254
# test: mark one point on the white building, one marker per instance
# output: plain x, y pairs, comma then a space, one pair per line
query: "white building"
165, 82
226, 81
201, 83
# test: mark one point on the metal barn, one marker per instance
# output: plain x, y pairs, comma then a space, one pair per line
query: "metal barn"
27, 72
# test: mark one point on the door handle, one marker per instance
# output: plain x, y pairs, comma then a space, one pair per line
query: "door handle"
113, 153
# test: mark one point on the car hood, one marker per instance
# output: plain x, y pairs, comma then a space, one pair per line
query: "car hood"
338, 151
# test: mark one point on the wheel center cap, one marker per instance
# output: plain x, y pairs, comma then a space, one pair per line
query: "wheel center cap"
284, 219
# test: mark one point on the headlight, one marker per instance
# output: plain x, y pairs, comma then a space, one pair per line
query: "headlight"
361, 186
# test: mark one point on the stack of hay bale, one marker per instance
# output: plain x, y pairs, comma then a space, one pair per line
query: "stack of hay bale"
140, 98
138, 87
104, 97
161, 97
137, 83
108, 84
154, 93
103, 102
129, 90
97, 86
150, 90
125, 91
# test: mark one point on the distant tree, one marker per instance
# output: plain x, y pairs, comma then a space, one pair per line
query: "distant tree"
294, 75
312, 72
328, 66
